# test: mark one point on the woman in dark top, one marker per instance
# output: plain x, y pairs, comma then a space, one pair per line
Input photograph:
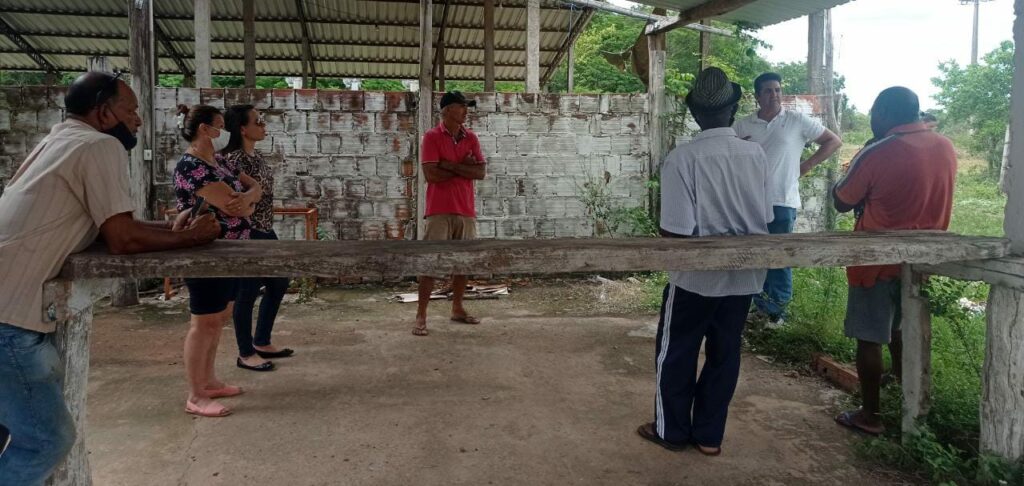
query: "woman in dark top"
246, 127
232, 198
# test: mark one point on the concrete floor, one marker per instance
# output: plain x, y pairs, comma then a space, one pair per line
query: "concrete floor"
549, 390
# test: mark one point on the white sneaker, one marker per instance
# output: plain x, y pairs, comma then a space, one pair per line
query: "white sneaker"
774, 323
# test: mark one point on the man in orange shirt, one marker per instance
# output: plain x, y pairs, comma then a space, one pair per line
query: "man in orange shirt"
902, 181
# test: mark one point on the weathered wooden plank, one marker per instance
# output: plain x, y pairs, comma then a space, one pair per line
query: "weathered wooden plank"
409, 258
73, 302
917, 352
1006, 272
1002, 404
489, 46
656, 58
425, 106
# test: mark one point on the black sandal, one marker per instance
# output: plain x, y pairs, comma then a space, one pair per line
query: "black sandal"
265, 366
284, 353
647, 431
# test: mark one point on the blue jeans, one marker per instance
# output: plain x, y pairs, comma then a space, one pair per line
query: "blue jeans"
778, 285
32, 407
248, 290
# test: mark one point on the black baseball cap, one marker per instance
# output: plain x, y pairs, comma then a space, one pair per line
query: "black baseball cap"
455, 97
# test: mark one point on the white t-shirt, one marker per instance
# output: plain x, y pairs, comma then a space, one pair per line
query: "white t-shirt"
783, 140
71, 183
716, 185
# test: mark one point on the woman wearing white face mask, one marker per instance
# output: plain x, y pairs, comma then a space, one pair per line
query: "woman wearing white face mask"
232, 197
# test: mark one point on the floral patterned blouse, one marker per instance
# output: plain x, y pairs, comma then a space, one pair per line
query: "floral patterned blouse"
192, 174
262, 218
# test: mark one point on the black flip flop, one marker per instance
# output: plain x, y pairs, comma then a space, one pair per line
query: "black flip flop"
284, 353
647, 431
846, 420
265, 366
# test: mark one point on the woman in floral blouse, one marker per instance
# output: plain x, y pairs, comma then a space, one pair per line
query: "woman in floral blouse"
246, 127
232, 198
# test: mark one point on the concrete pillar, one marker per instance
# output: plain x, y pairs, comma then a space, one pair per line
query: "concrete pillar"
532, 46
425, 107
204, 73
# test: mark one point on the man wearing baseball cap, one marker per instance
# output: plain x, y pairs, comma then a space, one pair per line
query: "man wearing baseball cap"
716, 185
451, 161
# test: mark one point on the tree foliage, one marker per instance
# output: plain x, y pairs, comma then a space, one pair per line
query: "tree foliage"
976, 99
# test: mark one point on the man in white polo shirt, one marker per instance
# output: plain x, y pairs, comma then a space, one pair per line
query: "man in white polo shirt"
783, 134
71, 188
716, 185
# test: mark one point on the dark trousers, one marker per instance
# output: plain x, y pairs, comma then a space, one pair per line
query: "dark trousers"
689, 409
248, 290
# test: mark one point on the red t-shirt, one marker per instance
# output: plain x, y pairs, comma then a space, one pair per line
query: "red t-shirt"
454, 196
905, 182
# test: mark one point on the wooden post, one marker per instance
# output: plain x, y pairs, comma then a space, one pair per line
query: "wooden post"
1002, 404
70, 305
98, 63
204, 74
815, 52
489, 46
570, 68
425, 106
656, 98
142, 61
705, 45
532, 46
917, 351
249, 34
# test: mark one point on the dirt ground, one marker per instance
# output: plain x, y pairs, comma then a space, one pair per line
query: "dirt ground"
548, 390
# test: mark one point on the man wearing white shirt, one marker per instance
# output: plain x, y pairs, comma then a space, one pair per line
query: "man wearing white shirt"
783, 134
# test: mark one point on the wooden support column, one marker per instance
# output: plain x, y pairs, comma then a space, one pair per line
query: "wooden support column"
533, 46
70, 305
142, 61
308, 67
98, 63
1002, 404
425, 106
438, 68
656, 116
489, 46
249, 37
204, 73
816, 52
705, 45
917, 351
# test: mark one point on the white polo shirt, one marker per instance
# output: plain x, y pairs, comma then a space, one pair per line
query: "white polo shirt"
716, 185
783, 140
71, 183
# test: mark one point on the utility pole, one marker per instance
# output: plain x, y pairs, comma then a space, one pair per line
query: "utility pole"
974, 37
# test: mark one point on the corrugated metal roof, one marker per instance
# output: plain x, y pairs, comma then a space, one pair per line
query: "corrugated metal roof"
759, 13
350, 38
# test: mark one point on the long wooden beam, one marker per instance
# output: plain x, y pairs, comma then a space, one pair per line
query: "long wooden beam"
280, 40
712, 8
409, 258
170, 50
308, 61
437, 66
25, 48
639, 14
1006, 272
249, 41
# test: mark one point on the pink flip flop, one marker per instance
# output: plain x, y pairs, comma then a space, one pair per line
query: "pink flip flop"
212, 409
225, 391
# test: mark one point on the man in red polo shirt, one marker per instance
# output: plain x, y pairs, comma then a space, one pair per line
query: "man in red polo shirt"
902, 181
451, 160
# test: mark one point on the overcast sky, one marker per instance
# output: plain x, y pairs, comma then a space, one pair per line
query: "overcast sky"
881, 43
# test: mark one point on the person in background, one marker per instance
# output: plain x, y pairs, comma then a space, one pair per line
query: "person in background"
929, 120
246, 126
72, 188
902, 181
451, 160
716, 185
783, 134
232, 198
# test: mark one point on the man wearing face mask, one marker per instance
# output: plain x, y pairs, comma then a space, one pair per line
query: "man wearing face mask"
72, 188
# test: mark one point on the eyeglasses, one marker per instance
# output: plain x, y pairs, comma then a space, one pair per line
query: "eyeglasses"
104, 92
